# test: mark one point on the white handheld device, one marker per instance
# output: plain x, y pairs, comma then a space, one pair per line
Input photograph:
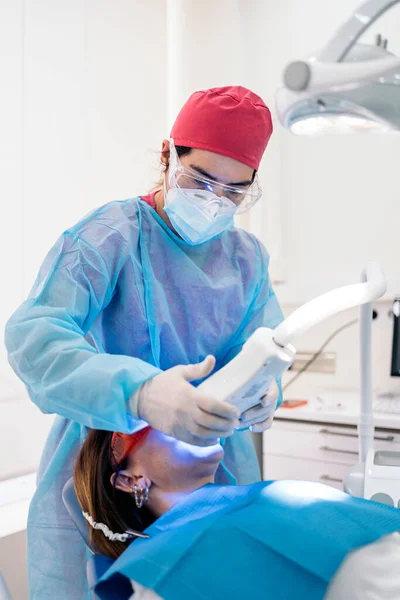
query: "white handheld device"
248, 376
267, 354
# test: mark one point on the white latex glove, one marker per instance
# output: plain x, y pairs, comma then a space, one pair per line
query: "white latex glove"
169, 403
260, 417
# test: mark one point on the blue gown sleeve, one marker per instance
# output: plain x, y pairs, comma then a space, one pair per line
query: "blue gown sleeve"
263, 311
46, 343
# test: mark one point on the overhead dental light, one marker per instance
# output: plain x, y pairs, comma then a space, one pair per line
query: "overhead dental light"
347, 86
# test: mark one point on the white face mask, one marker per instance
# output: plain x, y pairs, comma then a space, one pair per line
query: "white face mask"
198, 216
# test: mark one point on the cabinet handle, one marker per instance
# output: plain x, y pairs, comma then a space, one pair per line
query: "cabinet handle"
330, 432
383, 438
329, 449
329, 478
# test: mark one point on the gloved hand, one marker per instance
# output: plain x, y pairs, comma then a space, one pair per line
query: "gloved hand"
169, 403
260, 417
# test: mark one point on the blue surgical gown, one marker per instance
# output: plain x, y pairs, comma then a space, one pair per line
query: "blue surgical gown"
118, 299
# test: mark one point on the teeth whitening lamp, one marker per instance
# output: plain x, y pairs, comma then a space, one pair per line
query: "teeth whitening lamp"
269, 353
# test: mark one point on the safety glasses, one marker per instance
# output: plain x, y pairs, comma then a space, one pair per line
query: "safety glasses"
235, 199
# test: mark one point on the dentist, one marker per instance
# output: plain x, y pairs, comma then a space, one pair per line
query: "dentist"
138, 300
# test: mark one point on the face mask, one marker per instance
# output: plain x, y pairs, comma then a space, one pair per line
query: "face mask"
196, 217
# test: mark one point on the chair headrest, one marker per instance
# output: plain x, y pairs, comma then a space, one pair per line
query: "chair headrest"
72, 505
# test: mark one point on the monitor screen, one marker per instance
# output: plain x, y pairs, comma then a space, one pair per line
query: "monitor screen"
395, 369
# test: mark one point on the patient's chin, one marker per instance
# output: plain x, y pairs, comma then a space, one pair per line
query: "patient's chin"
204, 461
198, 459
214, 456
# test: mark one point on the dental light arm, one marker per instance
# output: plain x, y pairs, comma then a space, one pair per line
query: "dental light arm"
331, 303
351, 31
373, 286
267, 354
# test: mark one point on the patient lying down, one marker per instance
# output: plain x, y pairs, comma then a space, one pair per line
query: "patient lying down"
151, 503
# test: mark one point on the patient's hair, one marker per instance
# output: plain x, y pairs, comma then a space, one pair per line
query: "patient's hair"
99, 498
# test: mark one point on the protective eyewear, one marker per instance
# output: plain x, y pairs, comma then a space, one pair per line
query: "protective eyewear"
234, 199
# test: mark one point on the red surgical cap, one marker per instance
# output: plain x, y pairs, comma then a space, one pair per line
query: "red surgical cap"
122, 444
232, 121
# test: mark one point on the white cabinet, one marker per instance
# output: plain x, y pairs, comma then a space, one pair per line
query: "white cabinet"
290, 467
316, 452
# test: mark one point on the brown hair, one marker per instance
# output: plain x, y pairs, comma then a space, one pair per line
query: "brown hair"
99, 498
181, 151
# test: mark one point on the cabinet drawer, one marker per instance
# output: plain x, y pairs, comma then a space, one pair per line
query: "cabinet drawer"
283, 467
330, 443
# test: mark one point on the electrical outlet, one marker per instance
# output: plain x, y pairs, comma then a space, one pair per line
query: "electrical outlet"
324, 363
383, 316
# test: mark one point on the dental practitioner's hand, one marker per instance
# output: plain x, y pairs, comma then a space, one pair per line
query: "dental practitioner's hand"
260, 417
169, 403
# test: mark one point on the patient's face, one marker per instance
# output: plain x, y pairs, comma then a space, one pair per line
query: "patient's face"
170, 463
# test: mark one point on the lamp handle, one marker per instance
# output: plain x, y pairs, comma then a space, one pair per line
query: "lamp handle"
316, 76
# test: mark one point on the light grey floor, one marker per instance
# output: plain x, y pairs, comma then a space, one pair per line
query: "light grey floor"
13, 565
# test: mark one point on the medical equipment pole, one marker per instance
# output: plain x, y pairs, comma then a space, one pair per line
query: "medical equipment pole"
366, 422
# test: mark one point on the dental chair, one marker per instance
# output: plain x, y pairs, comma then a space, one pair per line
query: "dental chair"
97, 564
